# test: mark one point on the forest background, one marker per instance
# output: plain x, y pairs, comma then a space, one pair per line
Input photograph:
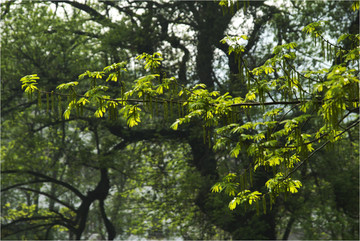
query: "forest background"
179, 120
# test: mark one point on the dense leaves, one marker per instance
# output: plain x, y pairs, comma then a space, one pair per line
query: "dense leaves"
136, 133
281, 145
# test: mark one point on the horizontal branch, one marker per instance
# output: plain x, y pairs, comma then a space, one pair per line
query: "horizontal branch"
20, 184
158, 100
78, 32
328, 42
25, 219
49, 196
269, 103
47, 179
32, 227
98, 17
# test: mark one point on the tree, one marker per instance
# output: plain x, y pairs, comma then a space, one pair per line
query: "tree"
273, 138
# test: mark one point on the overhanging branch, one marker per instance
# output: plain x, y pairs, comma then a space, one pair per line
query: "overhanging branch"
47, 179
98, 17
49, 196
20, 184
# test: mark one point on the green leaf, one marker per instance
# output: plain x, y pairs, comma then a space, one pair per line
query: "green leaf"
250, 95
236, 150
99, 113
342, 37
67, 113
217, 188
275, 160
67, 85
355, 6
233, 203
29, 78
269, 70
160, 89
83, 101
175, 125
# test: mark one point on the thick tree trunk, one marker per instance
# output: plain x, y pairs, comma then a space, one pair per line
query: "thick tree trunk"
211, 27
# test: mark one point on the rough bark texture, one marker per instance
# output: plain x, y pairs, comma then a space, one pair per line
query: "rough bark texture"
100, 193
211, 25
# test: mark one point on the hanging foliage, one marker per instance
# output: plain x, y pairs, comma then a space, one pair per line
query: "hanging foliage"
280, 144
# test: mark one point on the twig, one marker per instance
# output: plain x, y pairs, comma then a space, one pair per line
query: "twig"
322, 146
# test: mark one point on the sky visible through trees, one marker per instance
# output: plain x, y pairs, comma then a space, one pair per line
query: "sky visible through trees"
180, 120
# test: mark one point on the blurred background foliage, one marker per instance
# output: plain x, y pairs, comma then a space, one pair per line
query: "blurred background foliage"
159, 180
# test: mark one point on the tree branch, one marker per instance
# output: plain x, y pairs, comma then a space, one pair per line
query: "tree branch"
49, 196
47, 179
4, 234
98, 17
269, 103
21, 184
109, 226
3, 226
318, 149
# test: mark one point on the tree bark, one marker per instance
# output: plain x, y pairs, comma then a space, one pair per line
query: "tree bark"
99, 193
109, 226
288, 228
211, 25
